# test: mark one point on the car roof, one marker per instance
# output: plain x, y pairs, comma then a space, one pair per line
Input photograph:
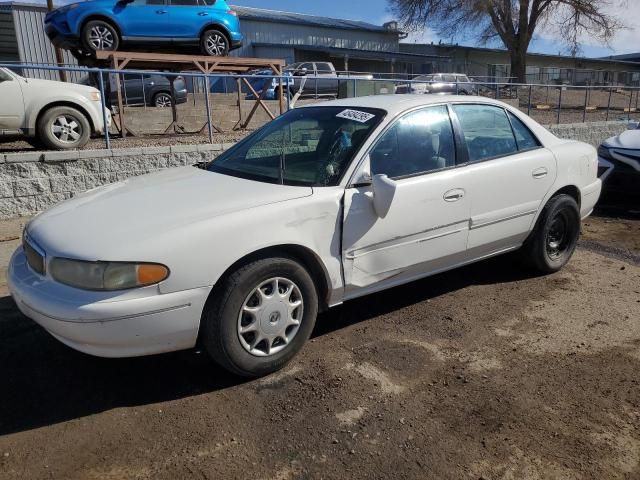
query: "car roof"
395, 104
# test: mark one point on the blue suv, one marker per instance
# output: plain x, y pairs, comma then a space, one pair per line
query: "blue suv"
87, 27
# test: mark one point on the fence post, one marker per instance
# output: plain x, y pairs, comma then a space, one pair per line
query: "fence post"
609, 104
206, 101
584, 112
630, 103
104, 110
559, 104
497, 91
457, 87
529, 104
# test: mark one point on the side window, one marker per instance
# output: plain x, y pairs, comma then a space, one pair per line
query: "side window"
449, 78
184, 3
524, 137
308, 66
323, 67
486, 130
420, 142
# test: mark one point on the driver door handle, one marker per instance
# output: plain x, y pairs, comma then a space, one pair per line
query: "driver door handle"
203, 14
454, 195
161, 12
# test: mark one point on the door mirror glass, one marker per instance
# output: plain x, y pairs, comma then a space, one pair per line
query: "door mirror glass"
384, 189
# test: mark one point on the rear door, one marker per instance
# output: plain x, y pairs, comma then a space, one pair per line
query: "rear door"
509, 175
12, 104
188, 18
426, 228
142, 19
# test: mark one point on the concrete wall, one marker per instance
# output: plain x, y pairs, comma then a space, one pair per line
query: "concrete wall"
33, 182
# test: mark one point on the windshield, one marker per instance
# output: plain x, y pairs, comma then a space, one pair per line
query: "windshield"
307, 146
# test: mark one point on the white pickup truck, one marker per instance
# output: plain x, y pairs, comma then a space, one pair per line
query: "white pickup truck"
60, 115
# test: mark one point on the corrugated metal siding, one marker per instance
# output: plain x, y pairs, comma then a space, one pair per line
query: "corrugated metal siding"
288, 34
8, 45
34, 45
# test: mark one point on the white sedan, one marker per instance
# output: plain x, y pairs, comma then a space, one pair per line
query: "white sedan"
325, 204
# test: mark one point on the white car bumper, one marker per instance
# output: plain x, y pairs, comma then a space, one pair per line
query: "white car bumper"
108, 327
590, 196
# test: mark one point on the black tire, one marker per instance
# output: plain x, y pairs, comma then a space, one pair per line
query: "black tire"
553, 241
214, 43
98, 35
62, 128
162, 100
221, 322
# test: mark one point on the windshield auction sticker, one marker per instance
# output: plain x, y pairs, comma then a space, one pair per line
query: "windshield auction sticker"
361, 117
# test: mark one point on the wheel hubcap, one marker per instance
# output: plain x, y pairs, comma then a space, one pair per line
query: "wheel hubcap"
66, 129
163, 101
216, 45
101, 38
557, 237
270, 317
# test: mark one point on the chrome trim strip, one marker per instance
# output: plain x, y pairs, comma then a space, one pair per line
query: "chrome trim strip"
353, 255
103, 320
493, 222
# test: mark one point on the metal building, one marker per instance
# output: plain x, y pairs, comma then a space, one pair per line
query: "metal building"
353, 45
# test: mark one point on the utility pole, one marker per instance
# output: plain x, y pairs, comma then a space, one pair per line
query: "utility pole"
59, 57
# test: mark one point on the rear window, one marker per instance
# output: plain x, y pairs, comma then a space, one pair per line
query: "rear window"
487, 131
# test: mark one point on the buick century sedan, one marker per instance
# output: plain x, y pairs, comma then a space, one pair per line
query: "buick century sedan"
325, 204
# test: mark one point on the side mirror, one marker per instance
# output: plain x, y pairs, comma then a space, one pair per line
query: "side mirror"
301, 73
384, 189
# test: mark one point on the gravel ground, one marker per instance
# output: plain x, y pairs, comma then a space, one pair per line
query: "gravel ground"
483, 372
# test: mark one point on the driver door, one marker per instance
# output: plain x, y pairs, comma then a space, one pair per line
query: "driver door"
427, 225
12, 104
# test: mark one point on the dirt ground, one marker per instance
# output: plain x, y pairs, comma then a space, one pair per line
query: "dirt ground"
486, 372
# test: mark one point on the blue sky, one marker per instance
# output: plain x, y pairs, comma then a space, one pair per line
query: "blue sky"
376, 11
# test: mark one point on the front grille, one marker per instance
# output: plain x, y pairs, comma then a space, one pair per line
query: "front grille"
34, 258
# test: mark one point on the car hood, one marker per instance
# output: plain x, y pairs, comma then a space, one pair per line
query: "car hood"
44, 85
629, 139
142, 209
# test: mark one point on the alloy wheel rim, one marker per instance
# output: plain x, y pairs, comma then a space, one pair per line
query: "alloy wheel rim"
270, 317
558, 236
216, 45
66, 129
101, 38
163, 101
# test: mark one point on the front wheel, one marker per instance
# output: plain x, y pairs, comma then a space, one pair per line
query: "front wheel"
98, 35
62, 128
214, 43
555, 237
162, 100
260, 317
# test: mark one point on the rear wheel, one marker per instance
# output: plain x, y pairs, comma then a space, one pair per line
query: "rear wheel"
62, 128
260, 317
214, 43
98, 35
162, 100
552, 243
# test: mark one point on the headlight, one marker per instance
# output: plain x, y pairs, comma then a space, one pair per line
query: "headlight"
95, 96
107, 275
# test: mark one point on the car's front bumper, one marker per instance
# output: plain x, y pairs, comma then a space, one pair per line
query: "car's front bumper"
108, 326
60, 38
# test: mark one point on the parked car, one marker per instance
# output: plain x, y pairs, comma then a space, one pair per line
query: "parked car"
308, 79
325, 204
150, 89
58, 114
619, 163
87, 27
442, 83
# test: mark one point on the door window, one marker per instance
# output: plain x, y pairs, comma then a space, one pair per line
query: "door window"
449, 78
420, 142
323, 68
524, 137
184, 3
486, 130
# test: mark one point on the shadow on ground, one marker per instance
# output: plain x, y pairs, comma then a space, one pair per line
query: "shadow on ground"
44, 382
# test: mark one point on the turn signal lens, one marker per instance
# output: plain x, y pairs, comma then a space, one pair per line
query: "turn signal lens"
232, 12
151, 273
